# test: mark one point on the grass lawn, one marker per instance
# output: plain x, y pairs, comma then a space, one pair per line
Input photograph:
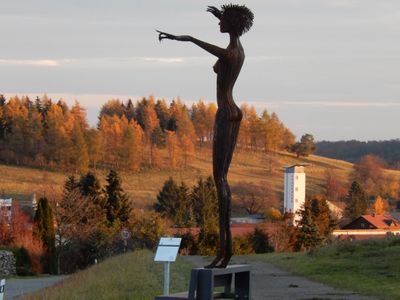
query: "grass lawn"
369, 267
130, 276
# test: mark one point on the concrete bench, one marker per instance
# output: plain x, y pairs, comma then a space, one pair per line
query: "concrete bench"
204, 281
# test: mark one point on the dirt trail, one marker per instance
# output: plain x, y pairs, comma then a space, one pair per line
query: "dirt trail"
268, 282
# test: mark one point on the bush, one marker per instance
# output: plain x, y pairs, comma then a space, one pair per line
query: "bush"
207, 243
189, 244
242, 245
260, 241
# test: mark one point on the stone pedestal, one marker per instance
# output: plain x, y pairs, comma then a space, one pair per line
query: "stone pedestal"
234, 279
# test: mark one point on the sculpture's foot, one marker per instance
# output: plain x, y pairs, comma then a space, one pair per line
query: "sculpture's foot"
214, 262
225, 261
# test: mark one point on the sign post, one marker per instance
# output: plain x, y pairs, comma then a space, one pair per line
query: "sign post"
167, 251
125, 235
2, 288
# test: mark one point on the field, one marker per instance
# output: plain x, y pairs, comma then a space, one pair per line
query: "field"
142, 187
129, 276
369, 267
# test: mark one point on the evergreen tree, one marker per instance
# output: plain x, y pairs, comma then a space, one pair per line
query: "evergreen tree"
309, 236
260, 241
45, 231
90, 187
204, 199
322, 217
116, 201
357, 201
71, 184
167, 199
173, 202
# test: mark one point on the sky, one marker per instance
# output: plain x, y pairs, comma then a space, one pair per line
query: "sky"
326, 67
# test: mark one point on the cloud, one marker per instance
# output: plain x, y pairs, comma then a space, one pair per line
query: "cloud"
167, 60
336, 103
30, 62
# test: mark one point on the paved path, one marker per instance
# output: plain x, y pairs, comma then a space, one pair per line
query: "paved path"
268, 282
19, 286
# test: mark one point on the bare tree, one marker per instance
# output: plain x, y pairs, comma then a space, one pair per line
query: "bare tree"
77, 219
254, 198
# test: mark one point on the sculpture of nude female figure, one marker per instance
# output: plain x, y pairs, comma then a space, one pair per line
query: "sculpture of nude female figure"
235, 20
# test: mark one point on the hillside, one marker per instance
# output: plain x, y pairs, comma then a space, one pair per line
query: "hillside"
142, 187
130, 276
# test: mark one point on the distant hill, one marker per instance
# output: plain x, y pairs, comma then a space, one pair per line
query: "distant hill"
353, 150
143, 186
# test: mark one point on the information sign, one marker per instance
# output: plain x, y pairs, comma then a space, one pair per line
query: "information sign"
167, 249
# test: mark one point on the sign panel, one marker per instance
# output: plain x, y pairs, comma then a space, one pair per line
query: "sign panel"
167, 249
125, 234
2, 288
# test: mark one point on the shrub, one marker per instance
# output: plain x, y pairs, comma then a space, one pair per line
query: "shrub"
242, 245
260, 241
23, 262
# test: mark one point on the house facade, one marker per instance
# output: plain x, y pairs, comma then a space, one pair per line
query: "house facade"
6, 210
369, 226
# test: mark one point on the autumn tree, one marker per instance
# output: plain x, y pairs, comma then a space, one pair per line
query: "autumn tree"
369, 172
112, 107
163, 113
305, 147
79, 223
172, 148
199, 120
333, 187
254, 199
94, 144
79, 152
380, 206
131, 151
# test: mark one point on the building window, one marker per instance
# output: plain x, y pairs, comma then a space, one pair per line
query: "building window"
296, 200
297, 189
297, 177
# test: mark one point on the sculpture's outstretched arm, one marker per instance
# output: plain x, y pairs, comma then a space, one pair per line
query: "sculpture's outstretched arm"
214, 50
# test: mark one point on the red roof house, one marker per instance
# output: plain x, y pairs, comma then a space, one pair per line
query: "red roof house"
369, 226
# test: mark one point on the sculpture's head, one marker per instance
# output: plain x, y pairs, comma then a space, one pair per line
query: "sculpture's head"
236, 19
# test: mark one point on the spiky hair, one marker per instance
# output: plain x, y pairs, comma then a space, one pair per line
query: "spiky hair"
239, 17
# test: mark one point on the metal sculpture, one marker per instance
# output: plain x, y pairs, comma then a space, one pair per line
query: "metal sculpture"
235, 20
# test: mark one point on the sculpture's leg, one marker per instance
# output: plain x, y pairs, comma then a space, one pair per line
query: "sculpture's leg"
232, 134
225, 136
218, 158
222, 221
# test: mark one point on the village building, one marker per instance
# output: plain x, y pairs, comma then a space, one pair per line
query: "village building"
294, 190
369, 226
6, 210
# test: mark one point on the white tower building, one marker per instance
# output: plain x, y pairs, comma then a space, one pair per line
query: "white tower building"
295, 190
